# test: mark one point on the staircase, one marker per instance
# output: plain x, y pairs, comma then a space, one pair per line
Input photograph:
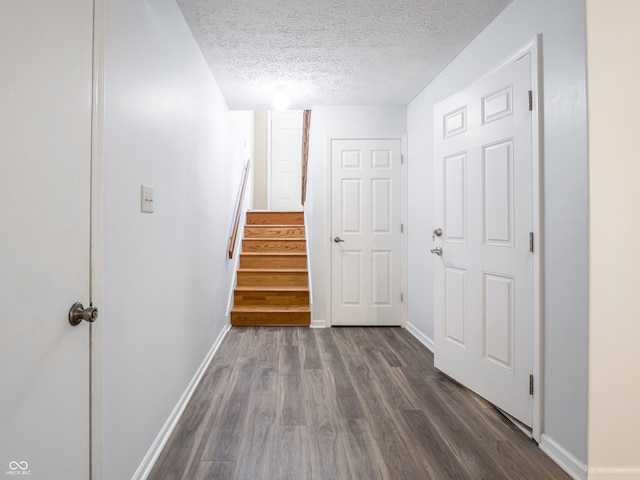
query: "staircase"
272, 284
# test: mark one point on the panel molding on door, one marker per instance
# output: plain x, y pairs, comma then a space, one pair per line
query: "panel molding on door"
484, 279
366, 238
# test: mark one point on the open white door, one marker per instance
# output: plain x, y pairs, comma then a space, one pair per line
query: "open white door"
45, 146
484, 219
366, 213
286, 161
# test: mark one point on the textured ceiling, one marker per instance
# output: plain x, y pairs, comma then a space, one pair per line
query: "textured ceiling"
332, 52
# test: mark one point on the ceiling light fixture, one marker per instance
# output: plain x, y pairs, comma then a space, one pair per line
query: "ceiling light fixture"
281, 100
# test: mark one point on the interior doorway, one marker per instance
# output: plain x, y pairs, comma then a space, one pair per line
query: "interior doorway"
278, 160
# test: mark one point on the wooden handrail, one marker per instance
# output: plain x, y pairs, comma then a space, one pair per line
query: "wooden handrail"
236, 219
306, 125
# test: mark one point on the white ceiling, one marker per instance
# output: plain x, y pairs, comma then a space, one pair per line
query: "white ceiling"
332, 52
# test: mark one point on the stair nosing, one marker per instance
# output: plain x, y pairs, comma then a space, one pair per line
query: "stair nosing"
274, 308
273, 253
267, 225
293, 288
279, 239
272, 270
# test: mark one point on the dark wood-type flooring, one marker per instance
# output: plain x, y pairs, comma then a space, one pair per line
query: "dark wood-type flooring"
340, 403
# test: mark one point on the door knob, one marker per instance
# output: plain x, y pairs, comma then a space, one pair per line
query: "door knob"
437, 251
436, 233
78, 313
338, 240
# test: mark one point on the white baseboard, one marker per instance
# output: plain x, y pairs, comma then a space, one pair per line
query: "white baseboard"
422, 338
318, 324
614, 473
566, 460
152, 455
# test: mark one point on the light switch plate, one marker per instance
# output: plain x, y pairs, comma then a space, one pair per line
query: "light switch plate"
146, 199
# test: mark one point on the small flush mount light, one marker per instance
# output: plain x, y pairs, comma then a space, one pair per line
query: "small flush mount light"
281, 99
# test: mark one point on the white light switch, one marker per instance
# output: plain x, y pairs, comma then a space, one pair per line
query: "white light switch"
146, 199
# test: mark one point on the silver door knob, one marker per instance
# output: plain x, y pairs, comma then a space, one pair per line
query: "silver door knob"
338, 240
437, 251
436, 233
78, 313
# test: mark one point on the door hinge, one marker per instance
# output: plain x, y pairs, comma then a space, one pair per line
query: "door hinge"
402, 228
401, 297
530, 384
401, 159
531, 242
531, 100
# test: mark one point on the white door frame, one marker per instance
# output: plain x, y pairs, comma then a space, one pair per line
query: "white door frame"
327, 250
96, 262
533, 48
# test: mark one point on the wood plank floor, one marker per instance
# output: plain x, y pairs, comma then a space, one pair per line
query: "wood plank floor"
340, 403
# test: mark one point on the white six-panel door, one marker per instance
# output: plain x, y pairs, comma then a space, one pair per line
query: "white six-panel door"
286, 160
484, 207
366, 212
45, 147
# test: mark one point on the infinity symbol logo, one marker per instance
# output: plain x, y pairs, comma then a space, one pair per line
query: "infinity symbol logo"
13, 465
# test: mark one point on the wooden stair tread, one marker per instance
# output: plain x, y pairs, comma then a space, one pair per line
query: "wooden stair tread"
274, 231
271, 308
269, 217
276, 239
271, 270
266, 226
283, 254
268, 288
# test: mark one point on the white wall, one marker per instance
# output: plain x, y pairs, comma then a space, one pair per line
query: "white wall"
614, 257
328, 122
261, 161
167, 275
565, 196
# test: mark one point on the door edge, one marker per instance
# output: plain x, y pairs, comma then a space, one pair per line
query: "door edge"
96, 260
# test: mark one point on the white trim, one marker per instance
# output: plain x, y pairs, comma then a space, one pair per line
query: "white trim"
318, 324
421, 337
565, 460
614, 473
404, 169
326, 245
149, 460
238, 250
533, 48
306, 239
232, 288
538, 257
269, 130
96, 405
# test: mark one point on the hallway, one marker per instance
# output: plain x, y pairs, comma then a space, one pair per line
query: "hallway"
340, 403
